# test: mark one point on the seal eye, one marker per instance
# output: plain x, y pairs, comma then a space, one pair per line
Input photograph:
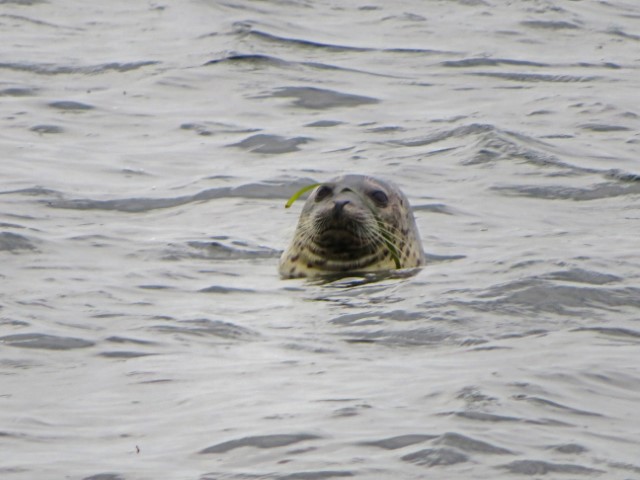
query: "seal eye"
323, 192
380, 197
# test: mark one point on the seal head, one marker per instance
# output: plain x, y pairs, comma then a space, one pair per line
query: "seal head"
353, 223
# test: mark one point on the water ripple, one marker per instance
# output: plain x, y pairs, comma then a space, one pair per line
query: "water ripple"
53, 69
262, 441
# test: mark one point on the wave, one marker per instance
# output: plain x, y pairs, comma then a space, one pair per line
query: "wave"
55, 69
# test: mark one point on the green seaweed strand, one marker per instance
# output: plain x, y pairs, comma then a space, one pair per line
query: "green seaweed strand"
299, 193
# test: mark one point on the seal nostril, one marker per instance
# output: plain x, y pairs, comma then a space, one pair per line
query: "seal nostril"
338, 205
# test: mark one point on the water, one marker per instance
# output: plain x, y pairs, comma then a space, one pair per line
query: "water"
147, 152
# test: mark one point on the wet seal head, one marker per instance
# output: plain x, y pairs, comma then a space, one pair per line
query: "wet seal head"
353, 224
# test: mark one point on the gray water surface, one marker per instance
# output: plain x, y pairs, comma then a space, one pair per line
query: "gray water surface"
147, 153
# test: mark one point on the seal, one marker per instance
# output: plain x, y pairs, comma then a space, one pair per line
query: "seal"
353, 224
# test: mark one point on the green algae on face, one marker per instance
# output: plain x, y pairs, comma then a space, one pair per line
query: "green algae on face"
299, 193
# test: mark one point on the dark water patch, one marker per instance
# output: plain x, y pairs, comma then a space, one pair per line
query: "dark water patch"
255, 60
536, 77
44, 342
320, 99
124, 354
69, 105
470, 445
133, 171
24, 3
199, 128
557, 136
305, 475
12, 242
622, 333
267, 190
432, 457
494, 144
503, 144
473, 341
349, 411
208, 128
22, 364
33, 192
324, 124
32, 21
538, 467
105, 476
625, 466
271, 144
569, 448
549, 404
615, 379
246, 29
402, 338
432, 258
357, 319
217, 250
205, 327
596, 192
603, 127
12, 322
47, 129
261, 441
318, 475
401, 316
18, 92
109, 315
622, 176
125, 340
386, 129
4, 434
541, 112
135, 205
53, 69
538, 295
579, 275
11, 225
401, 441
475, 397
154, 287
490, 62
611, 65
621, 33
550, 25
535, 332
225, 290
486, 417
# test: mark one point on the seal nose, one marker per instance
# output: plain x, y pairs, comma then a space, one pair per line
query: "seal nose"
338, 205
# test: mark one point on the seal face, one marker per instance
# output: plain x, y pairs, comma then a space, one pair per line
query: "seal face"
353, 223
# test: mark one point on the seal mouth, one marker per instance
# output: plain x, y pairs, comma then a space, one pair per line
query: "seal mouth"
346, 240
340, 239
